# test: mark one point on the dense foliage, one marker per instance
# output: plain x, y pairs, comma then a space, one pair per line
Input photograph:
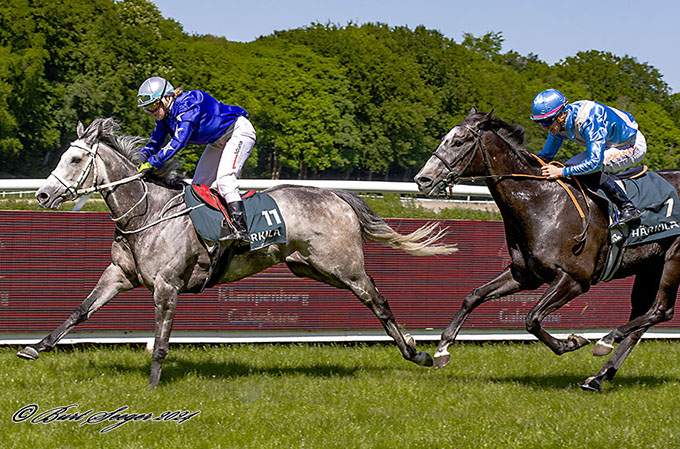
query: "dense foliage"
328, 101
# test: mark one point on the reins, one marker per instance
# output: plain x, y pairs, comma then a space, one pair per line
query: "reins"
74, 190
479, 145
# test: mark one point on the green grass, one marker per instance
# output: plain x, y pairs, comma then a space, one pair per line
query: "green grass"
390, 206
505, 395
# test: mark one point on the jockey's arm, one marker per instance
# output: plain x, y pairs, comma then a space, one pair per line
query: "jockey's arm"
158, 136
551, 147
179, 140
594, 132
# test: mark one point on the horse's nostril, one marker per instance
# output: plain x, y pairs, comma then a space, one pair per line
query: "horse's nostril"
41, 196
424, 181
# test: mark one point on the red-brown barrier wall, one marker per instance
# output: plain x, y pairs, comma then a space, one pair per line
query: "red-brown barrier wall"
49, 262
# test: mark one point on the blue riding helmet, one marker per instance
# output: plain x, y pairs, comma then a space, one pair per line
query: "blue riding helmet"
153, 89
547, 105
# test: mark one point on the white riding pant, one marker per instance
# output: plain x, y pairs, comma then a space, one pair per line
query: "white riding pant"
222, 161
617, 159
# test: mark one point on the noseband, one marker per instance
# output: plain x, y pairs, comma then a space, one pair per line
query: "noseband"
452, 178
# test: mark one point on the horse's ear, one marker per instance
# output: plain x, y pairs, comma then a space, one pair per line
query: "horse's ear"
472, 112
490, 114
80, 129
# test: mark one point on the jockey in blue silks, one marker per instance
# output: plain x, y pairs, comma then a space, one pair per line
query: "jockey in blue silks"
611, 137
196, 118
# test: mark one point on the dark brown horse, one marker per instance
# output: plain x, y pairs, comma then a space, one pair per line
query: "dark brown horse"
541, 222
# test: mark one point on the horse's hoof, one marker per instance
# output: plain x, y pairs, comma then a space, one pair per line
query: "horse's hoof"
28, 353
601, 348
578, 340
441, 359
423, 359
591, 384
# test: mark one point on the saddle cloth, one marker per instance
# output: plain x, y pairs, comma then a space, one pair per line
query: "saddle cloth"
658, 201
265, 222
660, 206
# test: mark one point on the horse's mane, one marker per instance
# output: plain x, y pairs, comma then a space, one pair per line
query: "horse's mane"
107, 130
514, 136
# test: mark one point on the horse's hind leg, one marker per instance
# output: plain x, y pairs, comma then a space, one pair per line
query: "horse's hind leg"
111, 282
662, 309
352, 276
594, 383
165, 302
642, 297
365, 289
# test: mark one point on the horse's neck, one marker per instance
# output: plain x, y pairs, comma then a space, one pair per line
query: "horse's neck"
502, 159
122, 198
513, 186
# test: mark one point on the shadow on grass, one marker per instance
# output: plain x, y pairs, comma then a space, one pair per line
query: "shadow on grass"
567, 381
179, 369
176, 368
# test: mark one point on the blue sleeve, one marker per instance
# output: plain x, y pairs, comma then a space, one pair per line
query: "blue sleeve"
552, 145
158, 136
185, 123
179, 140
594, 132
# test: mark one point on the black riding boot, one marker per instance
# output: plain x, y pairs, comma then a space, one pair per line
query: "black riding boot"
237, 214
627, 211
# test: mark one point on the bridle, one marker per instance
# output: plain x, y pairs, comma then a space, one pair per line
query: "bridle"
451, 178
75, 189
477, 145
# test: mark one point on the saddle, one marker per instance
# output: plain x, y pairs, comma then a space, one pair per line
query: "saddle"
209, 216
214, 201
655, 198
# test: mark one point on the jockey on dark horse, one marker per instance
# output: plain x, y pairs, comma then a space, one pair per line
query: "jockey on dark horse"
196, 118
611, 137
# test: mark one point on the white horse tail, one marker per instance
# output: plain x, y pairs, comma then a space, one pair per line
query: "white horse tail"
421, 242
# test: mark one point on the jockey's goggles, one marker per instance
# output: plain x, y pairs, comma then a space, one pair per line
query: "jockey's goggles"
144, 99
153, 107
544, 123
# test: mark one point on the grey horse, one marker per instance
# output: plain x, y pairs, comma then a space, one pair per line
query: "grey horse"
155, 245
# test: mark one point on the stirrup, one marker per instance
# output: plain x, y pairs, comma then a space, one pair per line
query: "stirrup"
633, 215
235, 238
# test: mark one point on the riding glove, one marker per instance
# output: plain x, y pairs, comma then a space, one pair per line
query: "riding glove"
145, 167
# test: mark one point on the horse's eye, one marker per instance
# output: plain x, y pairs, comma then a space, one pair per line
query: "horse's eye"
76, 160
457, 143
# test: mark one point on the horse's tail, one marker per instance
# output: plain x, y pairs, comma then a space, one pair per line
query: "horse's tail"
421, 242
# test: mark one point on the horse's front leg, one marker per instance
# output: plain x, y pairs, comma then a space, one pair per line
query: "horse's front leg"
562, 290
112, 281
504, 284
165, 304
